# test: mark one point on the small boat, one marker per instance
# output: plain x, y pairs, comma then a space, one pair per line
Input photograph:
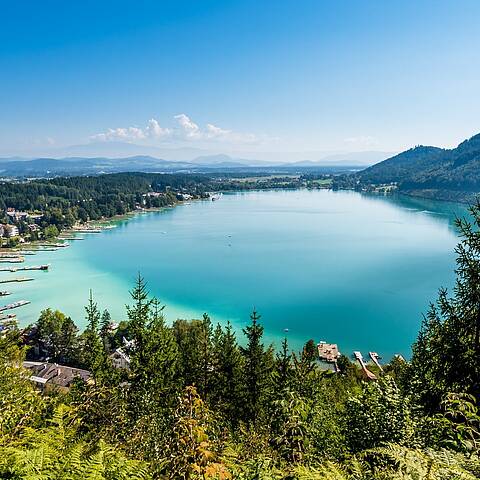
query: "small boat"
4, 293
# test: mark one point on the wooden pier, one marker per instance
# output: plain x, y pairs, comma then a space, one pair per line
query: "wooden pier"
12, 260
19, 269
375, 359
366, 372
11, 306
14, 280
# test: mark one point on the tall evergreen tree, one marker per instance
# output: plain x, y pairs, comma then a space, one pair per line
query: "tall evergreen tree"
284, 367
105, 326
227, 386
94, 354
258, 370
138, 313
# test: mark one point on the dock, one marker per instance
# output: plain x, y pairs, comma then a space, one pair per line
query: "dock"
71, 238
13, 280
366, 372
54, 245
375, 359
329, 353
12, 260
11, 306
19, 269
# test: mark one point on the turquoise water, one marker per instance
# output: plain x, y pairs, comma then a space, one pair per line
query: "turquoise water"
343, 267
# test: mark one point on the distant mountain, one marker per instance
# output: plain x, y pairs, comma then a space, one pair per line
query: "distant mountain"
43, 167
448, 174
70, 166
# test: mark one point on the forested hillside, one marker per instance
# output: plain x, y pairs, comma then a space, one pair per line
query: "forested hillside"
427, 171
201, 401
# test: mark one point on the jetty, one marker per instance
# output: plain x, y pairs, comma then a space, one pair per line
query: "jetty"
12, 260
30, 267
54, 245
366, 372
11, 306
19, 279
86, 230
329, 353
375, 359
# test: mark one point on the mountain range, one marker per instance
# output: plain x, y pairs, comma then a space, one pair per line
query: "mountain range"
79, 165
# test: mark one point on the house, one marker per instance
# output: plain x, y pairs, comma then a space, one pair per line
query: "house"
11, 231
16, 215
120, 359
328, 352
48, 376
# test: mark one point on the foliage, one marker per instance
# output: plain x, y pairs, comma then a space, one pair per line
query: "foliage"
446, 355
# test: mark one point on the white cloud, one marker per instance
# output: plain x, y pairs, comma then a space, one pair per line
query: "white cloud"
125, 134
189, 128
154, 130
185, 130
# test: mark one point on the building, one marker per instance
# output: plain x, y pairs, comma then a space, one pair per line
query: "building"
120, 359
328, 352
16, 215
2, 230
10, 231
48, 376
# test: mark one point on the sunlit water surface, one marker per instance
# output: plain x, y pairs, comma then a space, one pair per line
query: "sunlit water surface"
343, 267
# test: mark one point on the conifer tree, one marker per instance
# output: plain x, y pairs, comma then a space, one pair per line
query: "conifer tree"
105, 325
227, 385
93, 348
257, 371
284, 367
138, 313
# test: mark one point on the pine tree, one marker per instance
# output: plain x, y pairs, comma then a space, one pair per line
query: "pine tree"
95, 358
258, 370
284, 367
138, 313
206, 357
105, 325
227, 385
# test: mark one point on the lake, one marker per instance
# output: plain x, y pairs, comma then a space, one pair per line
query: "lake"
353, 269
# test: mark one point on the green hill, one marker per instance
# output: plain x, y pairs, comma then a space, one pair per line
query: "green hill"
432, 172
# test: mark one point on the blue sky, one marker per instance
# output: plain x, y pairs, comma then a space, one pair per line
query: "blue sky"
239, 76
